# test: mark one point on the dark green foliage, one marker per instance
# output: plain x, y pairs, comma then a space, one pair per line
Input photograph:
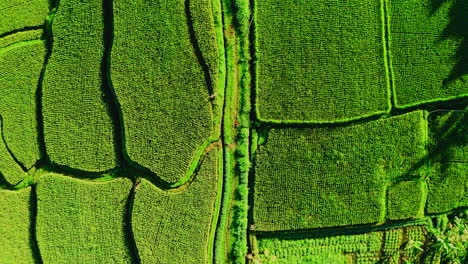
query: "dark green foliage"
389, 247
78, 130
324, 177
20, 68
426, 51
81, 221
19, 14
448, 136
448, 149
15, 239
175, 226
163, 76
406, 200
448, 187
319, 61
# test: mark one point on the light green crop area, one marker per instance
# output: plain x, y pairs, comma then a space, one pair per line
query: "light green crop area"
77, 127
175, 227
389, 246
325, 177
426, 47
15, 239
20, 37
164, 69
20, 68
81, 221
319, 61
19, 14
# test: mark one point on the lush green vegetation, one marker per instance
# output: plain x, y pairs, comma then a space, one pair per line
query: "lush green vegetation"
448, 148
127, 134
78, 129
82, 221
20, 36
20, 68
335, 176
319, 61
425, 48
406, 200
19, 14
164, 70
175, 226
388, 246
15, 227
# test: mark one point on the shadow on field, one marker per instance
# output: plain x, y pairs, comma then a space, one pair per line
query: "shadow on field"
457, 29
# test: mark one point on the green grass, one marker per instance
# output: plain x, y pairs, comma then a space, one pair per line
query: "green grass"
163, 77
406, 200
326, 177
82, 221
78, 130
19, 14
425, 51
20, 67
319, 61
176, 227
389, 246
15, 228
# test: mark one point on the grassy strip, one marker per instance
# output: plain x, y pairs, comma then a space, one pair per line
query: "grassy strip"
15, 228
19, 14
212, 247
20, 36
78, 130
316, 63
20, 67
335, 176
388, 246
80, 221
242, 154
179, 115
222, 242
426, 46
175, 227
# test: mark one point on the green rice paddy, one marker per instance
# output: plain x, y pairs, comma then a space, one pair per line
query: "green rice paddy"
233, 131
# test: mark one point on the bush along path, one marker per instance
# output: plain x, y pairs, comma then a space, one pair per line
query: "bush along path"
233, 131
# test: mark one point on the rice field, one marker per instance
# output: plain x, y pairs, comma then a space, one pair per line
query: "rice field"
233, 131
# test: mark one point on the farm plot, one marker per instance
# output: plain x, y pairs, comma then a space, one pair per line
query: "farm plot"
20, 14
389, 246
319, 61
78, 130
20, 68
164, 69
176, 227
326, 177
15, 239
406, 199
80, 221
448, 183
428, 45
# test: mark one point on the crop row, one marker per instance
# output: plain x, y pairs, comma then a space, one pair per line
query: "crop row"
361, 174
70, 220
388, 246
329, 61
